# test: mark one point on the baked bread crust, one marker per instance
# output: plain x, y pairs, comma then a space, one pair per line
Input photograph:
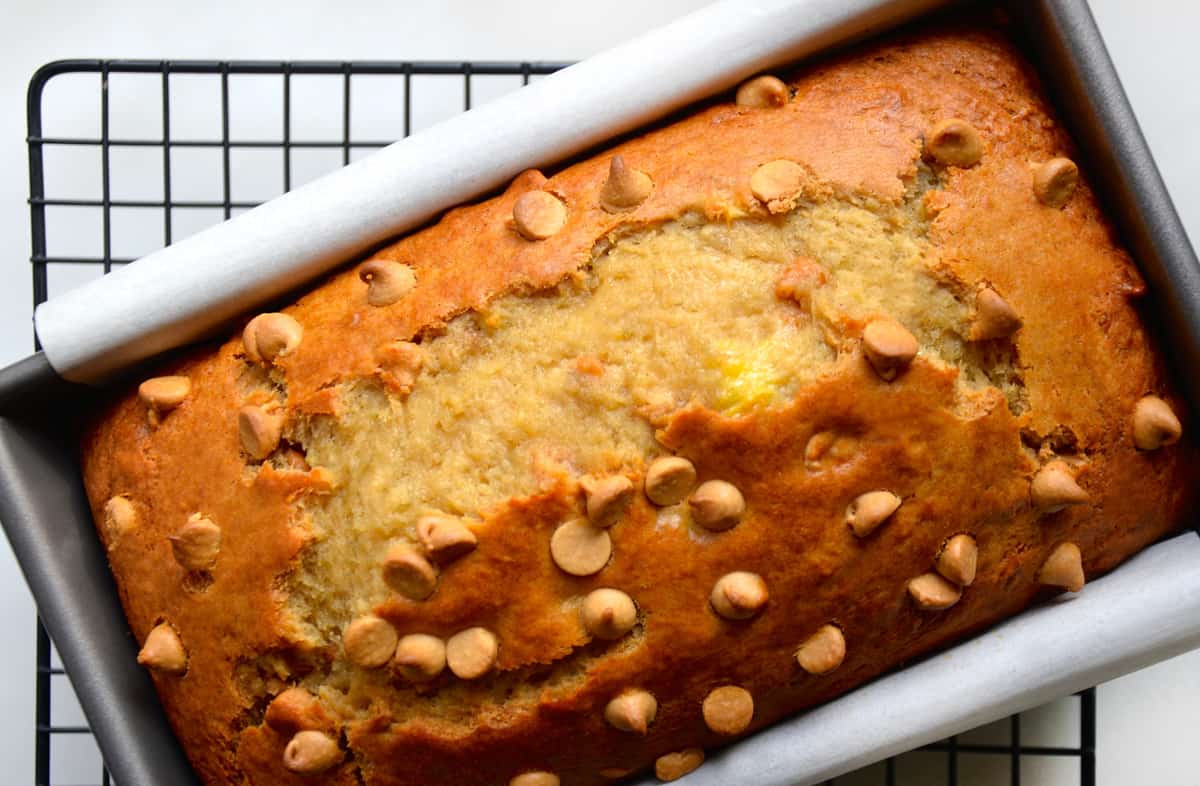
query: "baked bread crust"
857, 126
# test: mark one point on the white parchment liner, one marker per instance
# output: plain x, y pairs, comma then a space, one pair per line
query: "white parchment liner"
1146, 611
183, 292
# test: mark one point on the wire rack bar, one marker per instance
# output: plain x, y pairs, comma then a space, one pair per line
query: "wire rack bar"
41, 756
302, 67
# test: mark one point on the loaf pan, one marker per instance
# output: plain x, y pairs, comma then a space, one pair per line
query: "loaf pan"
47, 519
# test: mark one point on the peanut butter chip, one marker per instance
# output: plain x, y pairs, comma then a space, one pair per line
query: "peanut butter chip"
955, 142
120, 518
818, 446
1053, 488
164, 394
632, 711
579, 548
163, 651
673, 766
1063, 568
958, 559
823, 651
739, 595
399, 365
387, 281
472, 653
369, 641
271, 336
728, 710
889, 347
762, 92
778, 184
994, 317
292, 460
444, 538
933, 593
311, 752
260, 431
799, 280
615, 773
197, 543
868, 511
717, 505
293, 710
538, 215
408, 572
608, 498
608, 613
1155, 424
1054, 181
535, 779
625, 188
420, 657
669, 479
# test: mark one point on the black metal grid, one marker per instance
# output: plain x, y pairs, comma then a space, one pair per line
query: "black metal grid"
959, 759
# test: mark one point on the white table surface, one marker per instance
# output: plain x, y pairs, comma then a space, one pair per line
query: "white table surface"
1146, 721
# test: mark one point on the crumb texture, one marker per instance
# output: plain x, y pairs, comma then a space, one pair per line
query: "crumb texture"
575, 377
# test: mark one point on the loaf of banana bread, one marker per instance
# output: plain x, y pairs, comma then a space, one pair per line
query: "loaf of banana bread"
630, 461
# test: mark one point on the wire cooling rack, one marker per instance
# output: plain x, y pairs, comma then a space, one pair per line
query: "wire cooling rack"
126, 157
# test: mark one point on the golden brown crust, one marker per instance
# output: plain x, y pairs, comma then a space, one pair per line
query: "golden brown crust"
855, 126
